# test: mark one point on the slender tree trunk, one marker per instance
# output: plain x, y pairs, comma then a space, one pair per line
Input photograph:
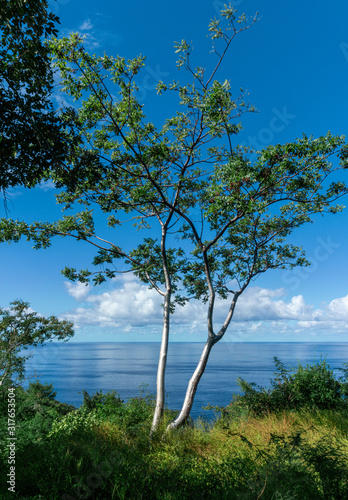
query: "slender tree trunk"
161, 370
197, 375
160, 398
192, 386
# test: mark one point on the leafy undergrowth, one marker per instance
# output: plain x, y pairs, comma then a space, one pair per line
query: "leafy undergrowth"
103, 450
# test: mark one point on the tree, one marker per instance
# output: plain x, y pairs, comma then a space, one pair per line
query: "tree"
21, 328
213, 220
31, 136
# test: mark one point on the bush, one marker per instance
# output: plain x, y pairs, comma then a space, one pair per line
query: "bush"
344, 380
36, 410
80, 421
106, 404
40, 398
311, 386
109, 406
316, 387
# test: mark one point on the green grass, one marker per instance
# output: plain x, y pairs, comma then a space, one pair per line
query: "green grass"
103, 451
301, 455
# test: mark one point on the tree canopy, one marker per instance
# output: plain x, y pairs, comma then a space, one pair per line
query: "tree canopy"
211, 219
20, 329
31, 136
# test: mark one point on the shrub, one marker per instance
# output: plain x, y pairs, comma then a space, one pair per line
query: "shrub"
315, 386
80, 421
40, 398
130, 417
344, 380
106, 404
311, 386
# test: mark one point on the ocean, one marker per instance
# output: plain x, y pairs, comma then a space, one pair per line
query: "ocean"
129, 368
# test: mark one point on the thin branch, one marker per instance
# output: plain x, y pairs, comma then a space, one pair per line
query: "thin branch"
228, 43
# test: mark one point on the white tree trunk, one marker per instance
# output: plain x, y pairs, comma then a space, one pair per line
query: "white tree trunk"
196, 377
192, 387
160, 398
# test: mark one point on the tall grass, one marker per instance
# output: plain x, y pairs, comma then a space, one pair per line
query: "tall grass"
103, 451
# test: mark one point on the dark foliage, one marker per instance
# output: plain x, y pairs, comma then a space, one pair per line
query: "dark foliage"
32, 139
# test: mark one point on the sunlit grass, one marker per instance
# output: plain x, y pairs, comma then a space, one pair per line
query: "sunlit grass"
286, 455
104, 451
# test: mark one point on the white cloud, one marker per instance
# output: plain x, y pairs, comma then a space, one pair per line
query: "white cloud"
46, 185
259, 312
264, 304
129, 305
77, 290
90, 42
86, 25
339, 308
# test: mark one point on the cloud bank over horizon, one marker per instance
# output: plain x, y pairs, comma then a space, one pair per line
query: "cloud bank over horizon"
129, 306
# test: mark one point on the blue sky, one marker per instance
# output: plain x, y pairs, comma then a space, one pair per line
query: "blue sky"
294, 63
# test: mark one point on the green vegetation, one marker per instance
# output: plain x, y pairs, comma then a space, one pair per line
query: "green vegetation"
287, 442
21, 328
313, 387
205, 215
32, 140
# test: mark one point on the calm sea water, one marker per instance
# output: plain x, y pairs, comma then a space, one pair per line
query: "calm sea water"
124, 367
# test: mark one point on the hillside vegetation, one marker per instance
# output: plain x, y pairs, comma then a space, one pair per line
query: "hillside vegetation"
286, 442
